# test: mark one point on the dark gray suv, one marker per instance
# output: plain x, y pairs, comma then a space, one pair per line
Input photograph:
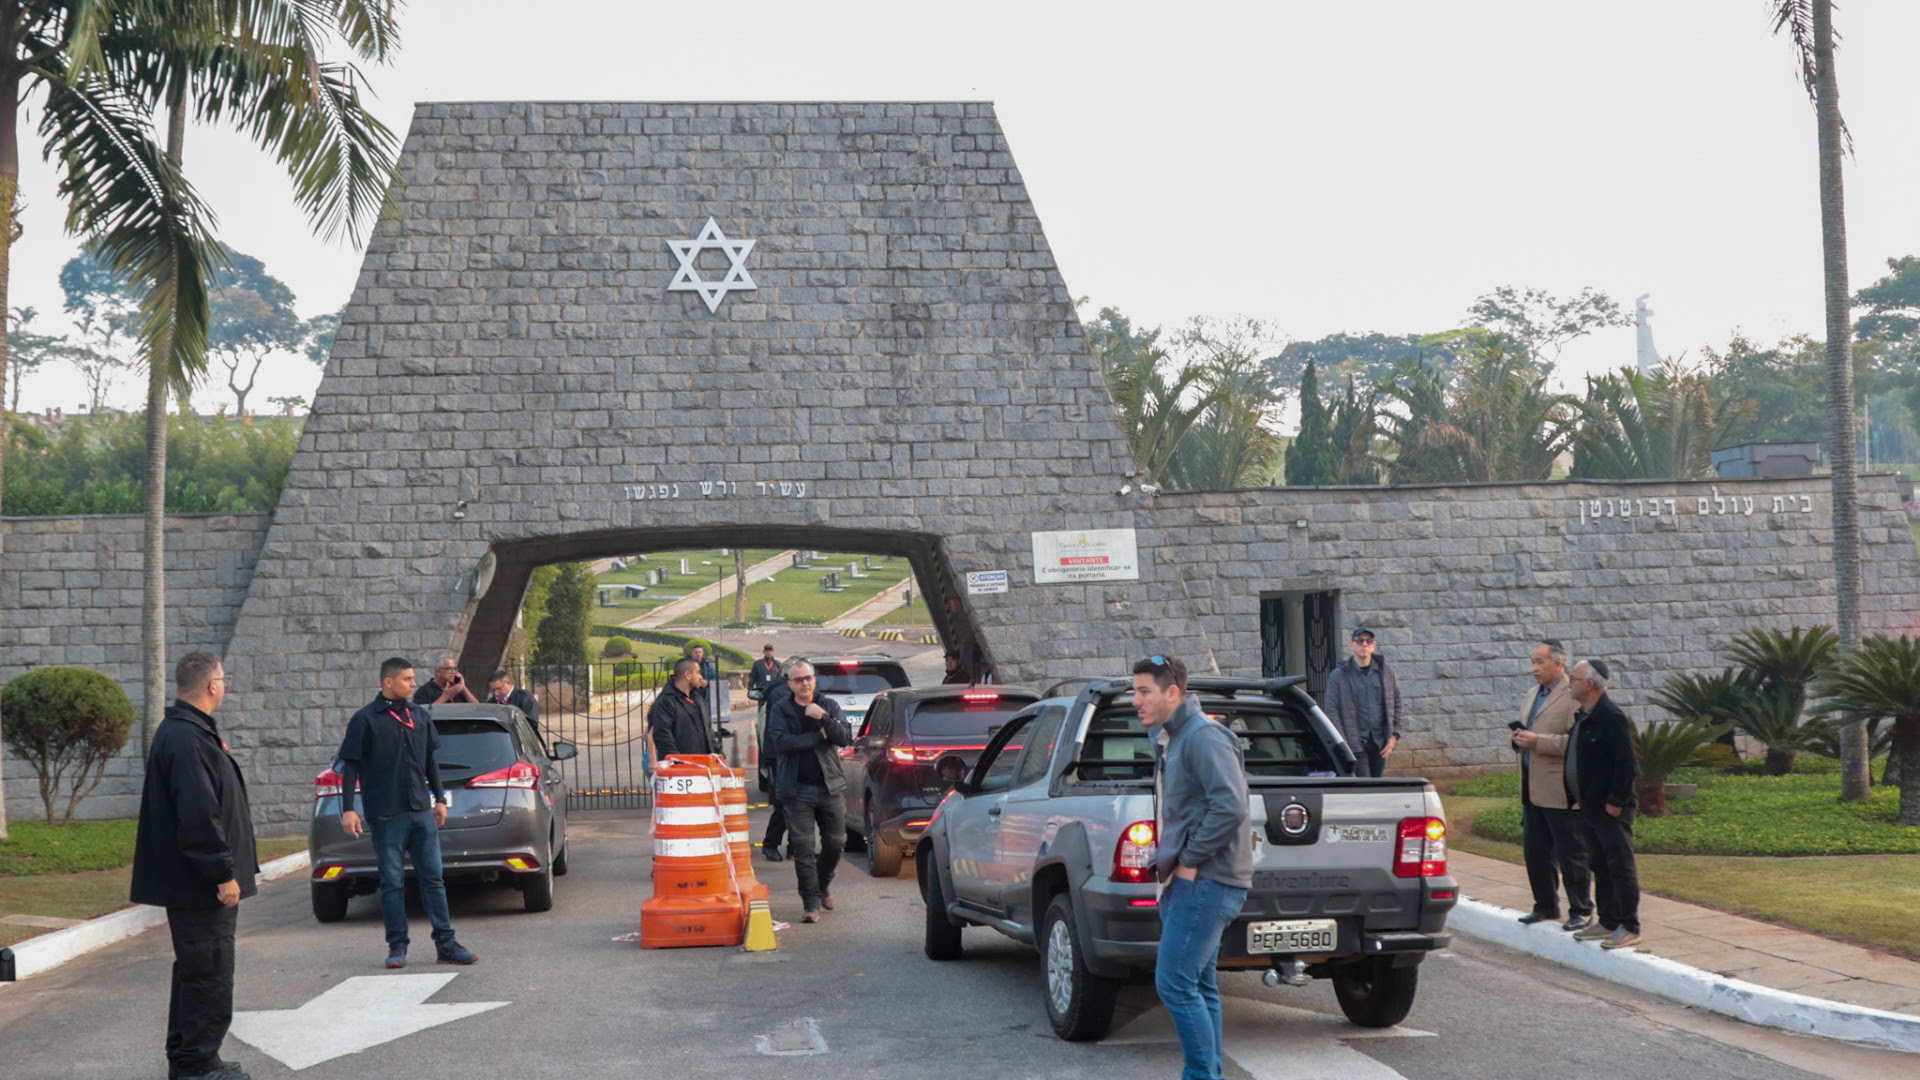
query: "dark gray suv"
506, 813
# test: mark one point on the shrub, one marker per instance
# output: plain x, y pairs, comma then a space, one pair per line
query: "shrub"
1715, 755
66, 723
1661, 748
617, 646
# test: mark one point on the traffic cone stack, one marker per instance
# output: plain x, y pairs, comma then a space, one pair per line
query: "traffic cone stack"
696, 897
733, 804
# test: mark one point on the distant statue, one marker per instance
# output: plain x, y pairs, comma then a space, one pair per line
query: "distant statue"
1649, 357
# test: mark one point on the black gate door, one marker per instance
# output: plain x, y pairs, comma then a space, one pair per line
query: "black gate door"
601, 708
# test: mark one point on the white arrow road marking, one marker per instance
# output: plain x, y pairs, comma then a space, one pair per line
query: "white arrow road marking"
1280, 1042
360, 1013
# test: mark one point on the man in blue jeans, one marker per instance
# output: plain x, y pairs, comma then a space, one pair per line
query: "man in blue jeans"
388, 755
1205, 856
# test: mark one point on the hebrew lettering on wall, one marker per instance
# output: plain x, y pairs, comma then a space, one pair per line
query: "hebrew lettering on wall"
716, 489
1713, 504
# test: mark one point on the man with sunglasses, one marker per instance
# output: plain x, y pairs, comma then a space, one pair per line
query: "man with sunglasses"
1363, 700
1205, 855
806, 730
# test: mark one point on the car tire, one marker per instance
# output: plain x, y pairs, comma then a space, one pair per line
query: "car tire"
883, 859
560, 862
1375, 994
536, 890
1079, 1003
330, 900
943, 937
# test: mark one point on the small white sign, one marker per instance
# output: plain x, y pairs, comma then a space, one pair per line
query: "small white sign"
1062, 558
986, 581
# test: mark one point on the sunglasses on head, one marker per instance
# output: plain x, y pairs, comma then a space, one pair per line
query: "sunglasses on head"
1157, 660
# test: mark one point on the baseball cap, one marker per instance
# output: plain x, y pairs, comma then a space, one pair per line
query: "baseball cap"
1358, 630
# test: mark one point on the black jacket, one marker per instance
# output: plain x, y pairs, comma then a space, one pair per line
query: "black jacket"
1601, 767
762, 674
196, 830
679, 725
391, 755
524, 701
791, 733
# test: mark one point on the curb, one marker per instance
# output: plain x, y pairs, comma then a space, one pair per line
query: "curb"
48, 951
1741, 1000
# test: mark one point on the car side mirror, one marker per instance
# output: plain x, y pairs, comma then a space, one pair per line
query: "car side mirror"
564, 751
952, 770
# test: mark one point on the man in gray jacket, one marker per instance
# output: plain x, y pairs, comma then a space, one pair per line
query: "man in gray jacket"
1205, 855
1363, 700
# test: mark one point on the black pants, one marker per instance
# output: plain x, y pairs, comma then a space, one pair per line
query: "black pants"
817, 824
1368, 760
1555, 854
776, 828
201, 1008
1616, 878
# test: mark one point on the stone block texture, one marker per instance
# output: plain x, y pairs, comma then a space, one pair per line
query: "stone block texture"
512, 376
70, 592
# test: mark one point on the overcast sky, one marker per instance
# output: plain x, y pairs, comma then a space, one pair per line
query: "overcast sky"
1368, 165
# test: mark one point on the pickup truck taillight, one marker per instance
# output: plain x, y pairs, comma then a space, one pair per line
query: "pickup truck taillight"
1133, 856
1422, 850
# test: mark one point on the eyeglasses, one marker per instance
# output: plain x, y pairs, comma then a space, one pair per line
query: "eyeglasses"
799, 678
1363, 641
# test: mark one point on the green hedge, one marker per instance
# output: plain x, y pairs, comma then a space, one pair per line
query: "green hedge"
724, 653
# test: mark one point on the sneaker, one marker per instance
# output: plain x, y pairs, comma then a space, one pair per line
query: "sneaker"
396, 956
455, 953
1533, 917
826, 901
1578, 922
810, 917
1622, 938
222, 1069
1592, 933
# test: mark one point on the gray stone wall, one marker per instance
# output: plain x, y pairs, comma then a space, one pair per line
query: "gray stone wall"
513, 376
70, 589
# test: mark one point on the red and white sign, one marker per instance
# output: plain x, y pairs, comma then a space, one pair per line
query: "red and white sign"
1063, 558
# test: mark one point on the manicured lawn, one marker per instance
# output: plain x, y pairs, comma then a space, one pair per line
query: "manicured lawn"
1867, 898
35, 847
914, 614
797, 597
700, 573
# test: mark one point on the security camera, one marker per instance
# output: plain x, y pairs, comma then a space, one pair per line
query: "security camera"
1125, 489
1149, 489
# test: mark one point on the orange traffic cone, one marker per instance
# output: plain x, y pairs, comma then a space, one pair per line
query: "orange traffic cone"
696, 900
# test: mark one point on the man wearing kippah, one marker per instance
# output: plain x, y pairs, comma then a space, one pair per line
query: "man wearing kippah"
1601, 771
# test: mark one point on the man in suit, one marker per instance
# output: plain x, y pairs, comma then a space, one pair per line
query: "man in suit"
501, 691
1554, 852
1601, 771
193, 854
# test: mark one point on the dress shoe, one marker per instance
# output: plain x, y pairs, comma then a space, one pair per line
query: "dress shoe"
1536, 917
1578, 922
771, 852
1592, 933
1622, 938
223, 1066
228, 1070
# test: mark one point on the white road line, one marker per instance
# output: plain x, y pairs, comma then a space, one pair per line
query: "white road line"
360, 1013
1280, 1042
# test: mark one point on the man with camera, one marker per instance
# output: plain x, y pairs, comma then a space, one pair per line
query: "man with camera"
806, 730
446, 687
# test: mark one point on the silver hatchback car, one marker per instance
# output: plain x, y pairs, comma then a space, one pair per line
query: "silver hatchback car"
506, 813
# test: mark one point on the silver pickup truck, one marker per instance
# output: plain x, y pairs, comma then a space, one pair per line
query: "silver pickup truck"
1050, 840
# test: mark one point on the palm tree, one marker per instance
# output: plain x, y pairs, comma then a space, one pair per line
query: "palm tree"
1880, 680
1156, 413
1498, 421
259, 66
1809, 23
1662, 747
1651, 427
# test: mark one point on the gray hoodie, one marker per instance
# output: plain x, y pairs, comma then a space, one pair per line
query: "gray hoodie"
1204, 821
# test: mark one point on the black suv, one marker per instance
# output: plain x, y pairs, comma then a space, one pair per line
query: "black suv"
892, 787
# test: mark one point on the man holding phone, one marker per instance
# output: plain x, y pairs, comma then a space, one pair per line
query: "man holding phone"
446, 687
1555, 854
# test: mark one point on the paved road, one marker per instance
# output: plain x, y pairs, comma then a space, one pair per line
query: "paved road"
580, 1005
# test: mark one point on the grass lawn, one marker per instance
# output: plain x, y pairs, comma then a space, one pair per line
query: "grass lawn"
1864, 898
914, 614
797, 597
700, 567
77, 871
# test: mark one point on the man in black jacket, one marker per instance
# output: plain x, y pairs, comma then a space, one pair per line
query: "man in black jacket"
777, 819
805, 730
194, 856
678, 723
388, 756
501, 691
1601, 771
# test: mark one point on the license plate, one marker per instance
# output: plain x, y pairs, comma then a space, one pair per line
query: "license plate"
1293, 936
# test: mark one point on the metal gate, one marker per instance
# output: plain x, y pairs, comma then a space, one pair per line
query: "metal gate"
601, 708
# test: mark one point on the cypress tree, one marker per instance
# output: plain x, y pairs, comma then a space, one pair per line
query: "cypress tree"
561, 637
1312, 459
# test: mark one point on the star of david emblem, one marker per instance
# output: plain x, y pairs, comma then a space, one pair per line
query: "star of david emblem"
688, 279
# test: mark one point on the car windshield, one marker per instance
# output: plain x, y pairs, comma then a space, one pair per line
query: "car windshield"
472, 747
865, 679
956, 718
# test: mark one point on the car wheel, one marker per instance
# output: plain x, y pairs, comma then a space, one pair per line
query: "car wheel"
883, 859
560, 862
1375, 994
330, 900
1079, 1003
943, 937
536, 890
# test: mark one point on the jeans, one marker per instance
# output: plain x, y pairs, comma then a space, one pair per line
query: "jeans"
201, 1008
1193, 916
1555, 855
414, 835
816, 832
1616, 876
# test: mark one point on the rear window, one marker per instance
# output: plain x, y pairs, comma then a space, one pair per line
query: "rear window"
1281, 743
471, 747
954, 718
865, 679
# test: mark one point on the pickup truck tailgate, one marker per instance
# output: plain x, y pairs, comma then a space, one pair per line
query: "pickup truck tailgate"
1325, 849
